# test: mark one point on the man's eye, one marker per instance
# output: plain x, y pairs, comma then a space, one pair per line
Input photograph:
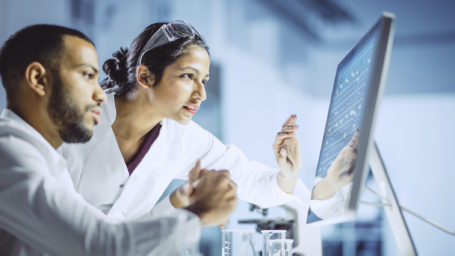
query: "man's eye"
88, 75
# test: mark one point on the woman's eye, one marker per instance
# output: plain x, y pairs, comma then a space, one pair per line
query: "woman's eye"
204, 81
188, 76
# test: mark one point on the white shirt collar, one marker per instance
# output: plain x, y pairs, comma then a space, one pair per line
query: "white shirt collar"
22, 125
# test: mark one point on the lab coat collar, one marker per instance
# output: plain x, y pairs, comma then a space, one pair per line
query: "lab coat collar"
109, 109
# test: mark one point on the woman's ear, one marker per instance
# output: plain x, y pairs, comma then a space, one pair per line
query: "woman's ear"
144, 77
36, 78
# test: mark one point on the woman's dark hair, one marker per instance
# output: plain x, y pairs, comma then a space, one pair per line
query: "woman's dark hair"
121, 68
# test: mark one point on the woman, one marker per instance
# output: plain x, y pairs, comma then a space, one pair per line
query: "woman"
146, 137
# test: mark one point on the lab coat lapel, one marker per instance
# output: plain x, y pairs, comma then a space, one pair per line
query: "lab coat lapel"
146, 180
96, 170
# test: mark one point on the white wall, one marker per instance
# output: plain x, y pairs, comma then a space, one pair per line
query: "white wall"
416, 138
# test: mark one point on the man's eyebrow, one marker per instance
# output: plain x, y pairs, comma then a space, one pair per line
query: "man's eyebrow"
95, 70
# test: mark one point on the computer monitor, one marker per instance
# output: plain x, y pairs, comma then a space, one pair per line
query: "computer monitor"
348, 138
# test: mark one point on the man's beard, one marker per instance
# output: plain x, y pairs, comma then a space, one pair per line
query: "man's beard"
66, 115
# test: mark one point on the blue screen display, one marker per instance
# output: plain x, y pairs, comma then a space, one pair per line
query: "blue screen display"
349, 98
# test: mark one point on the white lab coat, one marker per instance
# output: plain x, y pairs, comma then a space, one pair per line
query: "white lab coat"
42, 214
101, 176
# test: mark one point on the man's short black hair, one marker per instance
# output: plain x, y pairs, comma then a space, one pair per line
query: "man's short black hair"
42, 43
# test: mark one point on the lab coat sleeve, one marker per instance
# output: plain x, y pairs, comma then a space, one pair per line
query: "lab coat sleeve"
256, 182
335, 206
52, 218
163, 208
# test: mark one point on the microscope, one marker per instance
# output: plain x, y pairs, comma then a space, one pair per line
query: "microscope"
307, 238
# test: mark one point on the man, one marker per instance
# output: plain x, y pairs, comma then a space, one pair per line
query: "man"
50, 76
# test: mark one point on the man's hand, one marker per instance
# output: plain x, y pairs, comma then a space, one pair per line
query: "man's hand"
214, 197
287, 154
340, 172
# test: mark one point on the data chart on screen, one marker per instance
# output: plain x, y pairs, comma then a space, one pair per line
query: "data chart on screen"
349, 99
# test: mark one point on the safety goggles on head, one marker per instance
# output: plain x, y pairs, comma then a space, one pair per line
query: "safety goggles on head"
167, 33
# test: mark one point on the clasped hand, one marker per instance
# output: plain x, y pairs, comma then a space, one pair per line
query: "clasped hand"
208, 193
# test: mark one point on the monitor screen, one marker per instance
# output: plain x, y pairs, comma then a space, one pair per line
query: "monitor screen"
343, 165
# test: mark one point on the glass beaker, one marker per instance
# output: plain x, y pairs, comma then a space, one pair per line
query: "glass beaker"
288, 247
273, 242
238, 243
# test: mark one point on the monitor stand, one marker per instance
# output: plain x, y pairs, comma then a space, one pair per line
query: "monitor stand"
392, 208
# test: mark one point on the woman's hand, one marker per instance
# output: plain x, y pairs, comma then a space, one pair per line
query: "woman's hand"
340, 172
287, 154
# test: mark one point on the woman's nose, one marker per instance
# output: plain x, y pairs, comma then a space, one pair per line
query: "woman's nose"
200, 91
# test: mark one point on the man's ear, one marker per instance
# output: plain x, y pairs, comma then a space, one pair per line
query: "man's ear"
36, 78
144, 77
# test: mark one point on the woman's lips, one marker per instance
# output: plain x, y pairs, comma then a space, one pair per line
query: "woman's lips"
191, 108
